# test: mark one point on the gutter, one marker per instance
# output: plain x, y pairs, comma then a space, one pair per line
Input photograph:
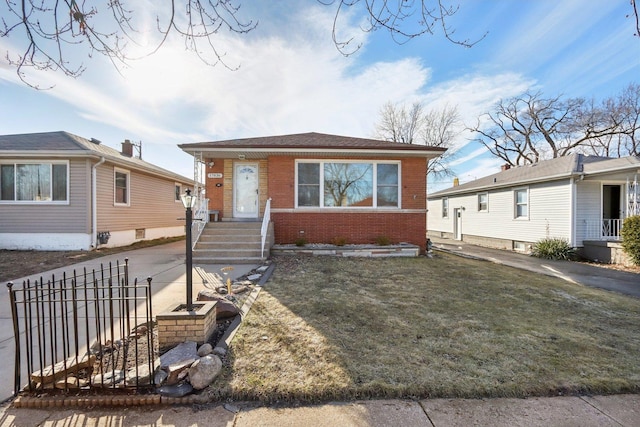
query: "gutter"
94, 204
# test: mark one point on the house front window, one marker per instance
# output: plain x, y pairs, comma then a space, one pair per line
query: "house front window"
483, 202
521, 199
178, 193
121, 186
338, 184
445, 207
34, 182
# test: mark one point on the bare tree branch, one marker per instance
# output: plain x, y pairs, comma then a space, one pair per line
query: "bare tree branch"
529, 128
434, 128
403, 19
54, 29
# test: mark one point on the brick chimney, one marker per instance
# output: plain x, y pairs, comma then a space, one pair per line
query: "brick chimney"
127, 148
456, 182
505, 167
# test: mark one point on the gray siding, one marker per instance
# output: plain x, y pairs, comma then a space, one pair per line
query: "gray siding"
50, 218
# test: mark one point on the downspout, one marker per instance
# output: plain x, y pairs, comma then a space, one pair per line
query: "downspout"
94, 204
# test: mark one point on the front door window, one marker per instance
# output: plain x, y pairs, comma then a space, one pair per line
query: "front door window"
246, 190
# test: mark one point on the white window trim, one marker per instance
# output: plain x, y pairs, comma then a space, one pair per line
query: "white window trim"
374, 184
515, 204
128, 174
445, 201
15, 162
486, 193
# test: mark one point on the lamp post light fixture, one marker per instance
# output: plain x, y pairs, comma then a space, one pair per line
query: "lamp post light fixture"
189, 201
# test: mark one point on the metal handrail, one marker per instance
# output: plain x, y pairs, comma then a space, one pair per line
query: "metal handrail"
200, 220
265, 223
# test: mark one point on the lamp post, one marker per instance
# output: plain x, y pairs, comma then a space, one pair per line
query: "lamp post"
189, 201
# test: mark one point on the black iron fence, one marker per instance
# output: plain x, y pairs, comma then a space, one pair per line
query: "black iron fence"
82, 331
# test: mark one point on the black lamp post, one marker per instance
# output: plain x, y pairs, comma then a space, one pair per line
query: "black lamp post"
189, 201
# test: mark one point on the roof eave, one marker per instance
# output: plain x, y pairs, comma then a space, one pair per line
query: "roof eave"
453, 192
232, 152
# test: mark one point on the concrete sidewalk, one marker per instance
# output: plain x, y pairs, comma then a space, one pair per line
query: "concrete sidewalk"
575, 272
618, 410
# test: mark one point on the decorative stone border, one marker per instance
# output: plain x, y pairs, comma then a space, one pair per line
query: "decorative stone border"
371, 251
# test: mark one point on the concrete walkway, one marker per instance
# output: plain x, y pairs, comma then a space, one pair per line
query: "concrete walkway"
619, 410
574, 272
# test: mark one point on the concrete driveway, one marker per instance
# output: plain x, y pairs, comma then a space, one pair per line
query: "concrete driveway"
165, 264
574, 272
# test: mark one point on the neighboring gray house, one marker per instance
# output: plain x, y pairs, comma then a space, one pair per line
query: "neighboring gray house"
59, 191
582, 199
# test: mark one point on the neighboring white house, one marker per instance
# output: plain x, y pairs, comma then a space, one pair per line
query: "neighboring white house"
583, 199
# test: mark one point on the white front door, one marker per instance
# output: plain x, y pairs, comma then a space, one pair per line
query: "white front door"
245, 194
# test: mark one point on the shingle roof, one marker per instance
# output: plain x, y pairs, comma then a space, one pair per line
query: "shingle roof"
70, 144
312, 141
546, 170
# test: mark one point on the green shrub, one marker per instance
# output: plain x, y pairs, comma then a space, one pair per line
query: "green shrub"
383, 241
631, 238
301, 241
339, 241
553, 248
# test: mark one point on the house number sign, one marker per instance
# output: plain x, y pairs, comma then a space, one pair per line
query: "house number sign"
214, 175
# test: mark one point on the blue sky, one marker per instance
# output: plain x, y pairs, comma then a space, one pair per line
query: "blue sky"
292, 79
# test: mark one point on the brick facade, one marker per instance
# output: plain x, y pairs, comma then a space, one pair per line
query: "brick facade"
356, 225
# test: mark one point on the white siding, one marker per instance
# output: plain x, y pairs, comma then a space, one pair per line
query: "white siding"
588, 206
549, 214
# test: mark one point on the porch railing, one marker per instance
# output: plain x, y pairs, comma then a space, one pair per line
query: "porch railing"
604, 229
200, 220
265, 224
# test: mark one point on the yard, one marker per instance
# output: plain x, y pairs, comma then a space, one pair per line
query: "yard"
331, 328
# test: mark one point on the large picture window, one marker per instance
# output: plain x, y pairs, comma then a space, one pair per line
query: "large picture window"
34, 182
337, 184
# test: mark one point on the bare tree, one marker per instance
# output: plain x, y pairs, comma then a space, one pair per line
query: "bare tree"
403, 19
529, 128
433, 128
54, 29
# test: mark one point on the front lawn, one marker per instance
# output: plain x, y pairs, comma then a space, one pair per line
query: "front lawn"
332, 329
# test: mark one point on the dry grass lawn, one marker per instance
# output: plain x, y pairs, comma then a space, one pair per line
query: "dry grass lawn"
329, 328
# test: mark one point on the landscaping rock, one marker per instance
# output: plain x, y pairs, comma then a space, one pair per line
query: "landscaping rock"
178, 371
205, 349
224, 308
204, 371
220, 351
108, 379
176, 390
180, 353
139, 376
254, 276
160, 377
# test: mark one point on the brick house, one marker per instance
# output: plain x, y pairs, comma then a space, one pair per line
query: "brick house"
320, 186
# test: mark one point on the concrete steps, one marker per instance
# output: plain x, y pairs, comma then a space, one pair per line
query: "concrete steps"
231, 243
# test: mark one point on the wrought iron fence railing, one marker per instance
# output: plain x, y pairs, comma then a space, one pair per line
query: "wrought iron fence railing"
92, 329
